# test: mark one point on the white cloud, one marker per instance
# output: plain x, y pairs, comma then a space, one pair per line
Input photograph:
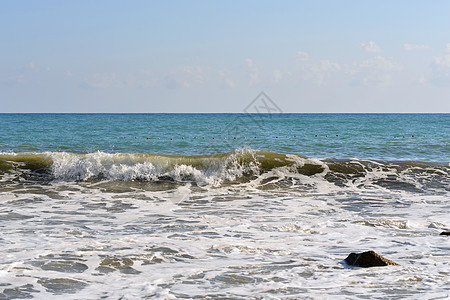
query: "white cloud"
225, 79
194, 73
104, 80
379, 63
370, 47
132, 80
14, 80
443, 61
254, 78
230, 83
303, 56
441, 68
412, 47
277, 76
377, 70
181, 77
171, 83
313, 71
254, 72
20, 79
323, 70
422, 80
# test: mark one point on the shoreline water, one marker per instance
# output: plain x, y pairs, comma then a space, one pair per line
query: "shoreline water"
83, 219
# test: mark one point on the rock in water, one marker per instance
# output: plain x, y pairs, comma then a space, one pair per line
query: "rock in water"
368, 259
445, 233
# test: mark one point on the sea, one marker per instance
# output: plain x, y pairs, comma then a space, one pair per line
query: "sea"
223, 206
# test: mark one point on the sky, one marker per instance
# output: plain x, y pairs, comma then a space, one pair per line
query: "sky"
217, 56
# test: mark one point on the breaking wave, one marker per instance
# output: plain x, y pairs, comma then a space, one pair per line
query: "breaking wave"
244, 165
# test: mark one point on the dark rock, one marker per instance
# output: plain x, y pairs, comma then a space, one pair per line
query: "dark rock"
368, 259
445, 233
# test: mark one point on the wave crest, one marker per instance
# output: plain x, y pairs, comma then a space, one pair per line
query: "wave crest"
259, 168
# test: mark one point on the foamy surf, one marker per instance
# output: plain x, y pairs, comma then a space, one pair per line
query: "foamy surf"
121, 207
69, 240
256, 168
147, 166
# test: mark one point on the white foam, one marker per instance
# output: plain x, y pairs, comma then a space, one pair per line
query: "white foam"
277, 235
222, 242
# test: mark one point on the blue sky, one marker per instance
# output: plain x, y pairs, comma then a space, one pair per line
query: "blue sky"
216, 56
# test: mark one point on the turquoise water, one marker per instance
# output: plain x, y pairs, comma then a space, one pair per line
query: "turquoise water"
421, 137
223, 206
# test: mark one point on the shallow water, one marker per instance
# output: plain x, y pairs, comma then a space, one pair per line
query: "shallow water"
86, 243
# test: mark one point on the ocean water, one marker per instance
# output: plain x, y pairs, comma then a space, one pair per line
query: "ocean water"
229, 206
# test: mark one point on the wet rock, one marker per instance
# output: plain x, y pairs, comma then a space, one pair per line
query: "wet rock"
117, 263
62, 266
445, 233
60, 286
21, 292
123, 264
61, 263
368, 259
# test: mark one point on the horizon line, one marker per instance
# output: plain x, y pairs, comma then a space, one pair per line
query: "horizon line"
277, 113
